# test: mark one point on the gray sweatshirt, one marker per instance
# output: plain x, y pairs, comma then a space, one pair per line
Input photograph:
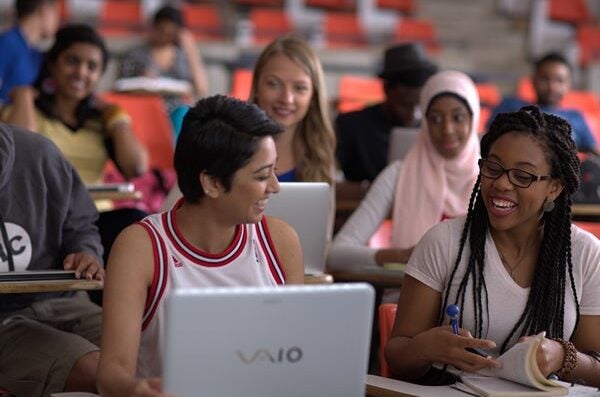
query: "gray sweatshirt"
46, 209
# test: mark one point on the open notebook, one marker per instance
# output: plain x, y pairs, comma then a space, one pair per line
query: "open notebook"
293, 341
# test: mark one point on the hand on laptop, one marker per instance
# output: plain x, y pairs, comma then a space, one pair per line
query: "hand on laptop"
85, 265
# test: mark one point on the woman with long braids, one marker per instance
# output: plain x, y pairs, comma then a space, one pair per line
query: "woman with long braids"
515, 265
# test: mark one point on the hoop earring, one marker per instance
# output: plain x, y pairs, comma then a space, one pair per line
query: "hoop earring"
548, 206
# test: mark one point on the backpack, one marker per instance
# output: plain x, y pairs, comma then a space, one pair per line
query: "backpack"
589, 189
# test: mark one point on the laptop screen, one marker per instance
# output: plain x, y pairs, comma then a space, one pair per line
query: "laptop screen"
305, 206
293, 341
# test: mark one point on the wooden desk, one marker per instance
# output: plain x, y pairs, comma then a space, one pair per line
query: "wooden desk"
379, 278
136, 195
23, 287
585, 210
378, 386
318, 278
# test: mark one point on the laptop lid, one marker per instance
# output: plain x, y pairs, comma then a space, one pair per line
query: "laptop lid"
305, 206
293, 341
401, 140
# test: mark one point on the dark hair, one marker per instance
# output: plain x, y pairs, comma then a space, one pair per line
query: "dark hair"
413, 78
66, 37
169, 14
219, 135
554, 260
552, 57
24, 8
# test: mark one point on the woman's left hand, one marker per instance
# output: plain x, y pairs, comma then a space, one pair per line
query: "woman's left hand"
550, 355
85, 265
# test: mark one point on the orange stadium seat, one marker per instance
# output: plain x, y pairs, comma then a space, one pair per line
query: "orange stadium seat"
588, 38
259, 3
343, 29
203, 20
419, 30
120, 18
150, 123
489, 94
356, 92
387, 316
269, 23
406, 7
572, 11
241, 82
335, 5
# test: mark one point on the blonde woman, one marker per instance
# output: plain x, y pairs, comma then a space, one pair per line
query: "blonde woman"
289, 85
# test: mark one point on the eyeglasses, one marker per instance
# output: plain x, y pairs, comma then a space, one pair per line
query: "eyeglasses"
520, 178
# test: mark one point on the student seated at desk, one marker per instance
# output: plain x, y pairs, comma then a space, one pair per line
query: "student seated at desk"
515, 264
432, 183
171, 52
48, 341
62, 106
215, 236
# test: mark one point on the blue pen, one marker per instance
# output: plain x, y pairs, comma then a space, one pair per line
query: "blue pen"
452, 311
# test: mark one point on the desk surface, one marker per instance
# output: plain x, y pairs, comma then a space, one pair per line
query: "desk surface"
585, 209
379, 277
23, 287
136, 195
378, 386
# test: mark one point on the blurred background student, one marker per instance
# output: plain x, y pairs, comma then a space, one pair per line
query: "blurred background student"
37, 21
170, 51
363, 135
433, 183
62, 106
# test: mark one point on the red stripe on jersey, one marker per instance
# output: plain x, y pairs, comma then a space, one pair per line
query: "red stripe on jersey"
264, 237
159, 279
197, 256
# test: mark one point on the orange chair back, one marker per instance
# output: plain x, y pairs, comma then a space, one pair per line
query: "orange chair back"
269, 23
387, 316
120, 18
356, 92
241, 82
343, 29
571, 11
203, 20
417, 30
403, 6
150, 123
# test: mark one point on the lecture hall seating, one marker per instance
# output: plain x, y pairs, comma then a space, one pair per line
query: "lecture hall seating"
356, 92
269, 23
120, 18
203, 20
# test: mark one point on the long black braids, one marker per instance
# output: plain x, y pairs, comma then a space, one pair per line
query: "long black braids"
554, 261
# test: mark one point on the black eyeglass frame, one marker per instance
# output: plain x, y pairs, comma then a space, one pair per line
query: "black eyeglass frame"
510, 173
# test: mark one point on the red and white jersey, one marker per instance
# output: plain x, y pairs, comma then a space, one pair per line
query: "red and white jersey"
250, 260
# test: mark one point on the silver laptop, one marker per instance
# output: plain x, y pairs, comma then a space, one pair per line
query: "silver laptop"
293, 341
401, 140
305, 206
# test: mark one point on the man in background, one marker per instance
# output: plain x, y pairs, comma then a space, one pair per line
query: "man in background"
551, 82
37, 21
363, 135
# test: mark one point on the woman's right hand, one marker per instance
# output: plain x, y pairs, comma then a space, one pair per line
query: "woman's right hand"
441, 345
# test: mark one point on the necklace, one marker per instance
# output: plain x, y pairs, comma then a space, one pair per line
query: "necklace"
511, 269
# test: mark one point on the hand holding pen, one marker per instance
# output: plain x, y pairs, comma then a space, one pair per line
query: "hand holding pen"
452, 311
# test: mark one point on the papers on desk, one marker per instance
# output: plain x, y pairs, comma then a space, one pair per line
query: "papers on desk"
158, 85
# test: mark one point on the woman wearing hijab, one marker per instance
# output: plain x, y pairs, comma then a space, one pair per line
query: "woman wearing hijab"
431, 184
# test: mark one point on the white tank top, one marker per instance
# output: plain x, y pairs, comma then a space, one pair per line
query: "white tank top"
250, 260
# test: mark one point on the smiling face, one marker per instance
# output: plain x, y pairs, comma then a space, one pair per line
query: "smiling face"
512, 208
252, 185
77, 70
284, 91
449, 125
